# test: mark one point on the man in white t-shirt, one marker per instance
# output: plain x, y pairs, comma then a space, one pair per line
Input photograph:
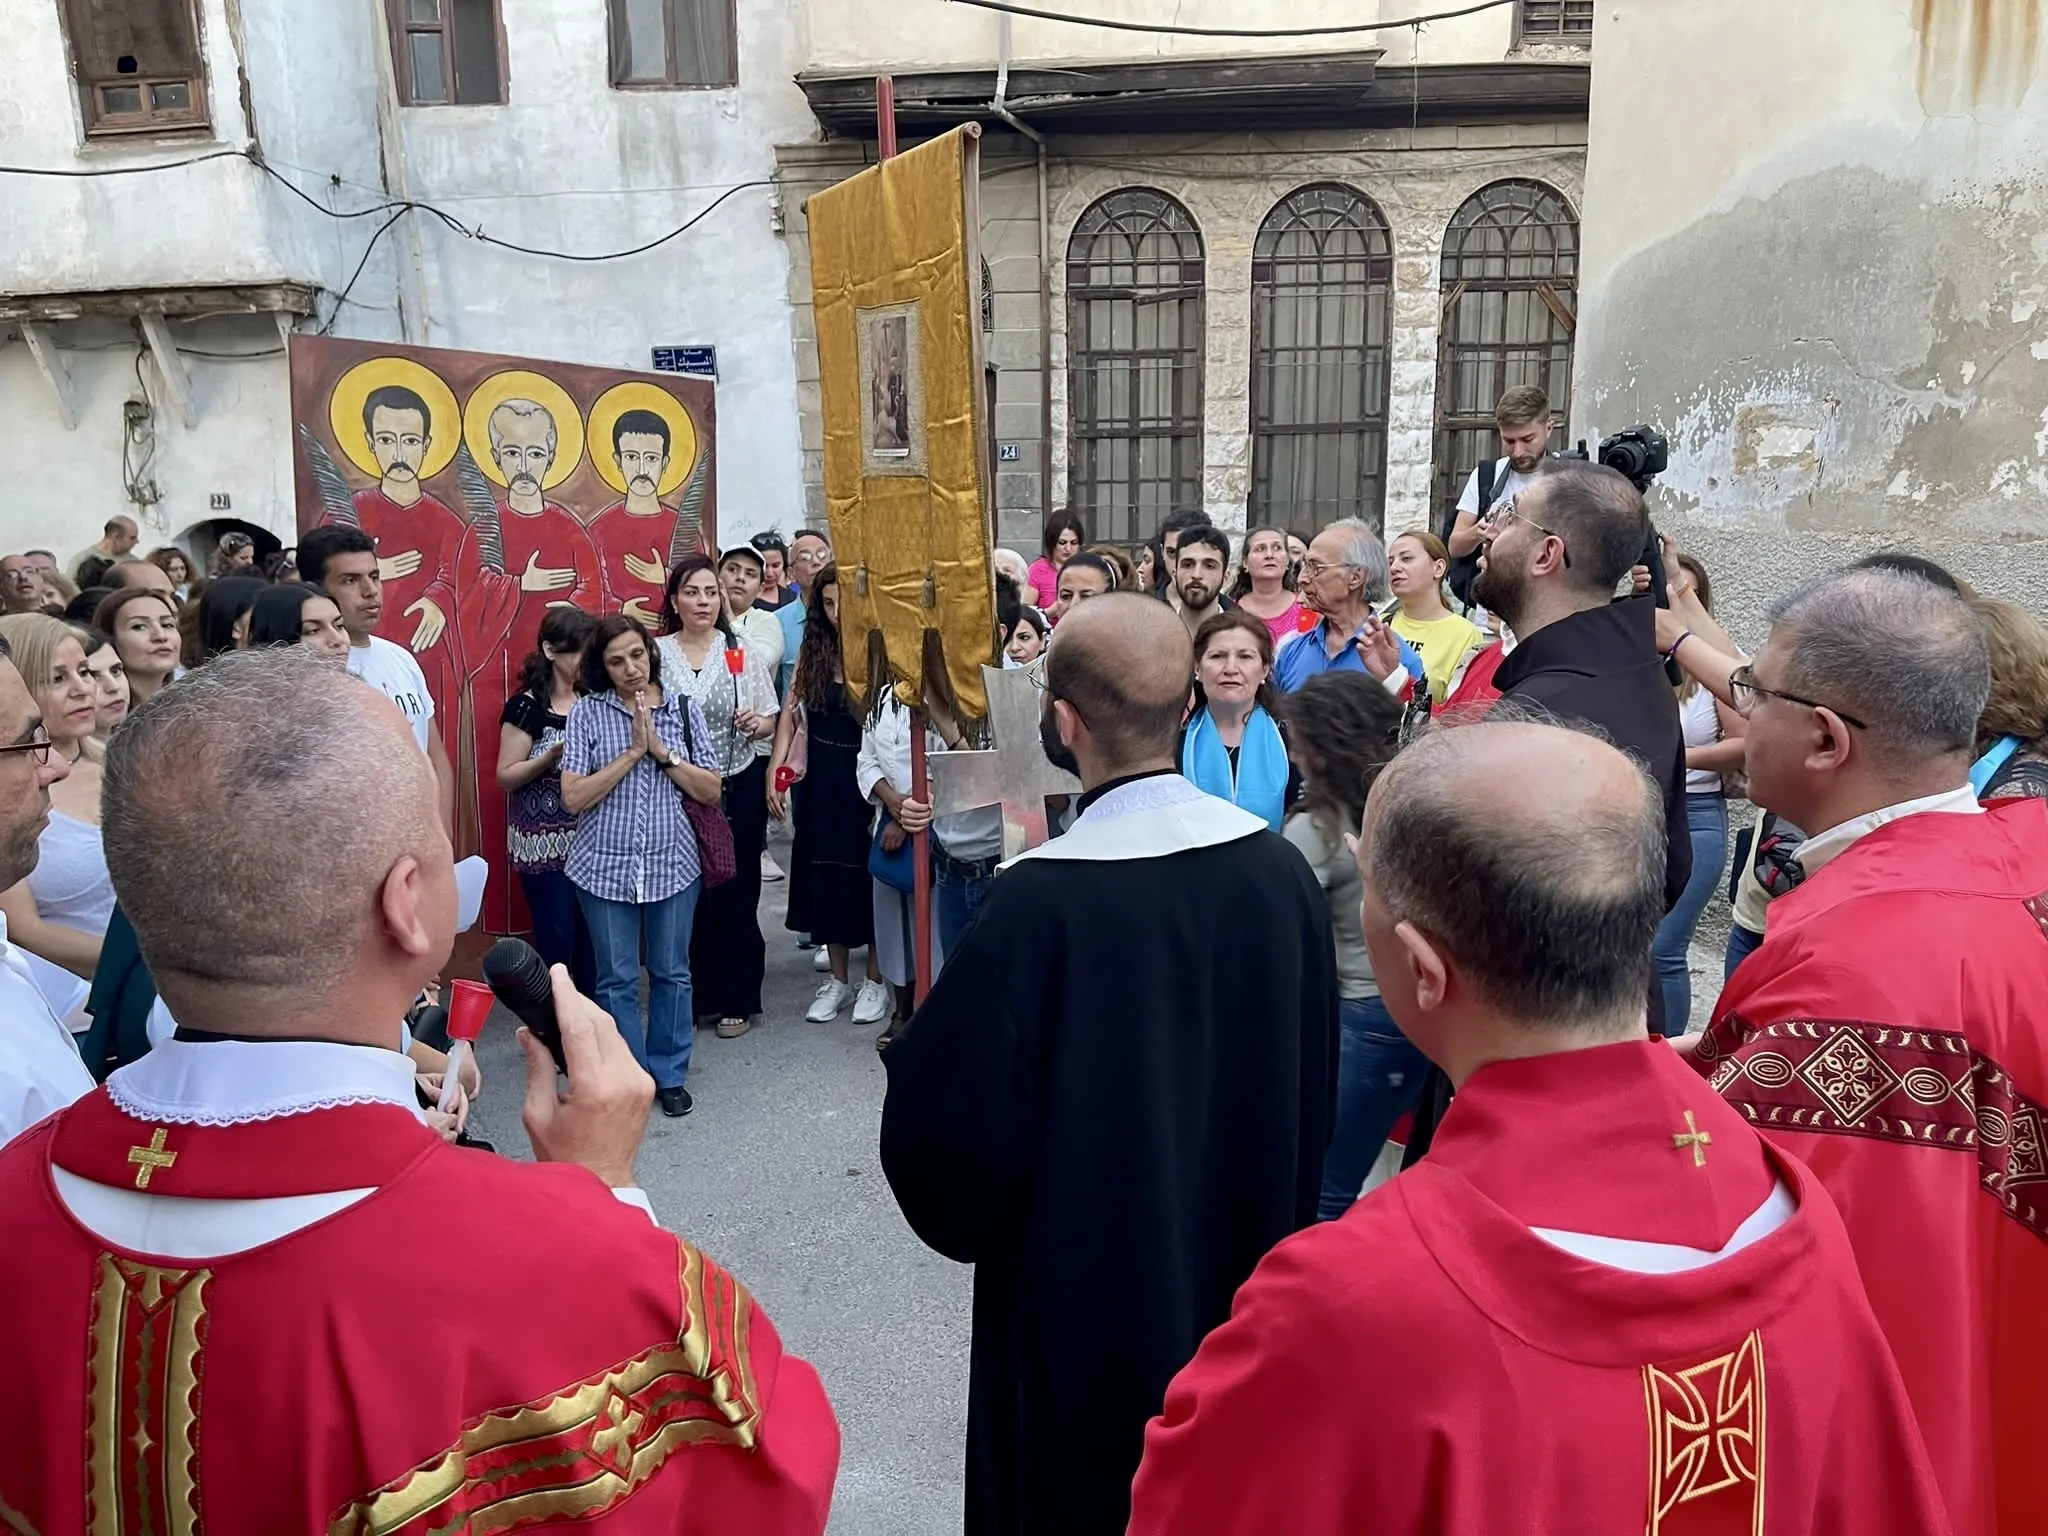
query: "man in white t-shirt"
1523, 420
40, 1069
342, 562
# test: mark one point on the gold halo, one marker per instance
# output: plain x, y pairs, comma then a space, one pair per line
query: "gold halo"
637, 395
523, 384
345, 412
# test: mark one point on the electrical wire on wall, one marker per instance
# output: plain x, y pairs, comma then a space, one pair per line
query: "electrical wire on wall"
1176, 29
138, 443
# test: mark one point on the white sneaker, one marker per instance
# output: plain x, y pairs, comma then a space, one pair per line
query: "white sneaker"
873, 1004
831, 998
822, 960
770, 870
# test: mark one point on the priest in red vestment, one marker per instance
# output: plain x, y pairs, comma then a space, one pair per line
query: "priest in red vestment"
245, 1289
1892, 1030
509, 570
1601, 1304
417, 535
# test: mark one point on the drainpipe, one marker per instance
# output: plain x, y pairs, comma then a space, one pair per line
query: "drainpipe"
999, 108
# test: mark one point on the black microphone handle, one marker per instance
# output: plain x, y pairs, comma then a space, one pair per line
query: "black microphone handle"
518, 977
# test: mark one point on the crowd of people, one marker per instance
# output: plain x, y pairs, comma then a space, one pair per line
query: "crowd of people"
1465, 793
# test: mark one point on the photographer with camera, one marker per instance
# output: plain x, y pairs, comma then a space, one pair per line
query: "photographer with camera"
1523, 420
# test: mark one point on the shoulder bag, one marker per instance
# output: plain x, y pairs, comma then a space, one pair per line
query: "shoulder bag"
714, 833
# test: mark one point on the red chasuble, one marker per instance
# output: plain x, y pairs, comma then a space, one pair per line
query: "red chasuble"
1892, 1031
429, 529
500, 626
477, 1346
1430, 1364
617, 533
1476, 689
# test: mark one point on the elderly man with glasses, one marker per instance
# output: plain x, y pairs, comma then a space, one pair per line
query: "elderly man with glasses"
1343, 575
40, 1069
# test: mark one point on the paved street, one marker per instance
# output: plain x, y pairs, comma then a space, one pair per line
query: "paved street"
776, 1176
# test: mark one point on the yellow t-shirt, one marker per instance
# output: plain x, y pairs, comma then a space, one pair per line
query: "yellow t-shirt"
1442, 644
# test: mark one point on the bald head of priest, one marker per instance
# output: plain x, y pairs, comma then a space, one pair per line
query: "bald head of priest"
1116, 688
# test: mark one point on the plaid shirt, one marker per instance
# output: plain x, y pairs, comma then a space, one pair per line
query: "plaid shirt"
635, 844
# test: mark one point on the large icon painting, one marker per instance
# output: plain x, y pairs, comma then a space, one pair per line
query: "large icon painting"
497, 487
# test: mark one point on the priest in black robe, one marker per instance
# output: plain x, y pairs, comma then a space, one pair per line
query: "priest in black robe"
1118, 1095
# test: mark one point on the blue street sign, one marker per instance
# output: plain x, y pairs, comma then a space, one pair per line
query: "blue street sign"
702, 361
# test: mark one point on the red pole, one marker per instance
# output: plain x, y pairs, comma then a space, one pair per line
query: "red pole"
920, 779
885, 114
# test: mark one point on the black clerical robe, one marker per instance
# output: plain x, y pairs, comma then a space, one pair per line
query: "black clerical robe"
1114, 1102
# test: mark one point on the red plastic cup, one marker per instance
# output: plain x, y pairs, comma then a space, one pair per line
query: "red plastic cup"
1307, 620
735, 660
469, 1004
785, 776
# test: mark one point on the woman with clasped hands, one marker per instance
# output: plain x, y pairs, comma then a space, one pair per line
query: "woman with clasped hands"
630, 753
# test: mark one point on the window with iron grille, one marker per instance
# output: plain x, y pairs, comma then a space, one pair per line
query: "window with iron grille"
447, 52
1322, 295
674, 44
138, 64
1556, 21
1134, 347
1510, 306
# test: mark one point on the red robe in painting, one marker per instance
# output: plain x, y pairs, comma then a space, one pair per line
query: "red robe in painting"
500, 625
381, 1369
430, 528
617, 533
1892, 1031
1430, 1364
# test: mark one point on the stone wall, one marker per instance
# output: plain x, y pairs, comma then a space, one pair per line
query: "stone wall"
1229, 184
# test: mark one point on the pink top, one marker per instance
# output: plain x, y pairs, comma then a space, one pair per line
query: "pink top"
1045, 582
1286, 622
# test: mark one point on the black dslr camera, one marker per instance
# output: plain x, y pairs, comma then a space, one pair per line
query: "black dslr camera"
1640, 454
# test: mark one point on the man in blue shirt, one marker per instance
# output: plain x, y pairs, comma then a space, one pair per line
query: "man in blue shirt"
1343, 576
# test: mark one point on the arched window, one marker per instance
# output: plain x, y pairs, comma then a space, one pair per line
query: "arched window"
1510, 305
1134, 349
1322, 291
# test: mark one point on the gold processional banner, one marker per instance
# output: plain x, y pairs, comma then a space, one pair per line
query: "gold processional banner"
895, 264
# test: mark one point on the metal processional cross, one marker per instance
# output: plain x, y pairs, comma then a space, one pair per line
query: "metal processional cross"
1016, 775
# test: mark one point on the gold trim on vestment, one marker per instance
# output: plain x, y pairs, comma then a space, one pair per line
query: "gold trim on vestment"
579, 1451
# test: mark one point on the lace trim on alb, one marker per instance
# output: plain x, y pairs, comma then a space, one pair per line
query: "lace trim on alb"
156, 1113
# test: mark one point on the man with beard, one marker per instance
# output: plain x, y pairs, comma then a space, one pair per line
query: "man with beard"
1523, 420
639, 539
1201, 558
40, 1070
416, 534
1552, 560
1110, 1115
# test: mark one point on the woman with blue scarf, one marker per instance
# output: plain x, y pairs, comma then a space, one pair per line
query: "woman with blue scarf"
1231, 747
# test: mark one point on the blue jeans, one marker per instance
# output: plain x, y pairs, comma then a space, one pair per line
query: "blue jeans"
1706, 816
618, 932
956, 899
1379, 1075
1742, 943
559, 932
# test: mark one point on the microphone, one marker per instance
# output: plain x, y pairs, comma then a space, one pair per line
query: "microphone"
515, 972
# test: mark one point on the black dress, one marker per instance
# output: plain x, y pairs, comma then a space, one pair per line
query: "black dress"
831, 894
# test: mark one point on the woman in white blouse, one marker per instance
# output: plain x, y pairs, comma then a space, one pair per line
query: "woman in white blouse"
59, 914
704, 659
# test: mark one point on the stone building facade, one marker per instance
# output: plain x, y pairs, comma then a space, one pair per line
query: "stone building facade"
1417, 178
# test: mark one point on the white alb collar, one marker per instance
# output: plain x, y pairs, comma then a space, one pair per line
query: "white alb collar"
1823, 847
234, 1082
1148, 819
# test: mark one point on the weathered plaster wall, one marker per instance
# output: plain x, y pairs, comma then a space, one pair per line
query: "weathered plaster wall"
1821, 267
935, 34
1229, 185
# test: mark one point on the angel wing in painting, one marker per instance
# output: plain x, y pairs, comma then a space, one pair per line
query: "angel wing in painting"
337, 504
480, 510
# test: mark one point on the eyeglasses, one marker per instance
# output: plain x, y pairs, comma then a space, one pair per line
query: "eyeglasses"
1311, 568
1508, 512
37, 746
1745, 690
